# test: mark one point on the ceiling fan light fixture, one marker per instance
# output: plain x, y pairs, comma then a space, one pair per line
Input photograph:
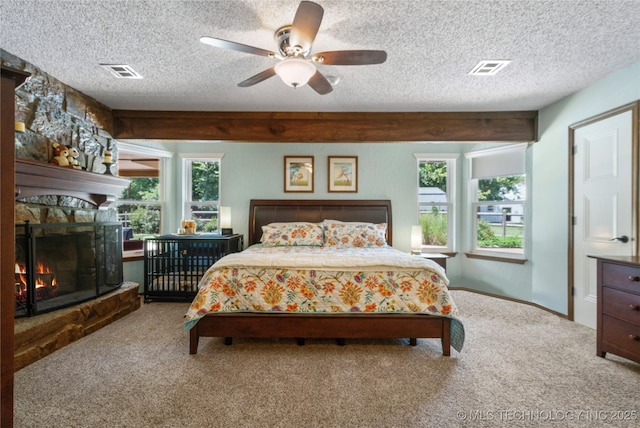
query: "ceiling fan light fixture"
295, 66
295, 72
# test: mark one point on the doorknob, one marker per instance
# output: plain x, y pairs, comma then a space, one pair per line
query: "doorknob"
624, 239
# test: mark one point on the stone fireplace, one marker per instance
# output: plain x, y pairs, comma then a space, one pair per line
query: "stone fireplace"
53, 113
67, 238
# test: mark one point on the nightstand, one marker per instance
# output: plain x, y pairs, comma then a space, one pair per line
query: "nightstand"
439, 258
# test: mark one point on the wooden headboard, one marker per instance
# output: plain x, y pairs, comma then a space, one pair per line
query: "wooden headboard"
265, 211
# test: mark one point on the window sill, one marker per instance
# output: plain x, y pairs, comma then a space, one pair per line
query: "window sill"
496, 258
132, 256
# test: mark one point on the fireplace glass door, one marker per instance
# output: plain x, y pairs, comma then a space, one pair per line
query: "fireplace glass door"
59, 265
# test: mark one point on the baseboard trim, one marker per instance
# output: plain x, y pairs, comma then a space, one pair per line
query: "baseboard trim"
512, 299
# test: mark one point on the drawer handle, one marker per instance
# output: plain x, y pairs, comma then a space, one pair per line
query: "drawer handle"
634, 278
634, 308
634, 337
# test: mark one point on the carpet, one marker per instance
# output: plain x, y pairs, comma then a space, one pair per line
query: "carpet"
520, 366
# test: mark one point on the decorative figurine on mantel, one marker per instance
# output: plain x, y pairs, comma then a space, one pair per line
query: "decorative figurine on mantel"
66, 156
74, 154
108, 161
60, 155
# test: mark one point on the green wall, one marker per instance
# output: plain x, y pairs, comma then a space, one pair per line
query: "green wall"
388, 171
550, 180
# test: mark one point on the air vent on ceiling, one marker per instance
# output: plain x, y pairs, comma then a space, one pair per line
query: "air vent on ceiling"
488, 67
122, 71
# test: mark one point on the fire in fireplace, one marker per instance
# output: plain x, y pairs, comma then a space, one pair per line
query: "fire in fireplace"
58, 265
45, 282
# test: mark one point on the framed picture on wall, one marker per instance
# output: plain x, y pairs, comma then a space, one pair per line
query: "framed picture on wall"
298, 173
343, 174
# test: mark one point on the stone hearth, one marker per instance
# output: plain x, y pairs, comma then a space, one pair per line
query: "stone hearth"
36, 337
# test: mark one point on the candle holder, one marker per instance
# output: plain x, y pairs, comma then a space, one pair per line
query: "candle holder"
108, 165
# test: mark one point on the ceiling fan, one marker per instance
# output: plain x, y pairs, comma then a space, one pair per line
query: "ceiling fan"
296, 67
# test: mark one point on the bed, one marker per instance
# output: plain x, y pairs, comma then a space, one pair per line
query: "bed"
222, 309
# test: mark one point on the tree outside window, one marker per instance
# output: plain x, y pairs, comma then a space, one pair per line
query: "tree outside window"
139, 207
203, 181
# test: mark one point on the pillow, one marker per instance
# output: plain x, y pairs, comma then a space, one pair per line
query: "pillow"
354, 234
289, 234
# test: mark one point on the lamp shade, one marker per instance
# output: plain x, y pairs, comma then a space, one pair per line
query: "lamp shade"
225, 217
416, 239
295, 72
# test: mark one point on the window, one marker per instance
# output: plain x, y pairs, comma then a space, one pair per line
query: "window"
201, 195
499, 188
140, 205
436, 184
139, 208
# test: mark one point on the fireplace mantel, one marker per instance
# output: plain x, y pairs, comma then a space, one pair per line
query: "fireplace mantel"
39, 179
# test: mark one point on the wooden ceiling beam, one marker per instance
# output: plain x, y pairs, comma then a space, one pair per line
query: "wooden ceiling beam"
515, 126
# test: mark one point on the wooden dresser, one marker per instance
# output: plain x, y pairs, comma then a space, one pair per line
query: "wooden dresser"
619, 306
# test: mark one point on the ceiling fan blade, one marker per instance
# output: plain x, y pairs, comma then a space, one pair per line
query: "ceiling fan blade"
235, 46
354, 57
263, 75
320, 84
305, 25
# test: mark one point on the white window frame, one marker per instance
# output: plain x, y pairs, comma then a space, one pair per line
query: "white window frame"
187, 159
162, 156
514, 151
451, 160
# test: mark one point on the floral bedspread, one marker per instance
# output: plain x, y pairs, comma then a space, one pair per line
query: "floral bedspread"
325, 280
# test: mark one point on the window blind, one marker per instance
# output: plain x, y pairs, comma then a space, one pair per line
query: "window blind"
498, 163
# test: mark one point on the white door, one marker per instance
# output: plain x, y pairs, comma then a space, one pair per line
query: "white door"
602, 204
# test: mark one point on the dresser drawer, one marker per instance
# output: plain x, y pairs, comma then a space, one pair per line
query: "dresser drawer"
621, 304
621, 276
621, 338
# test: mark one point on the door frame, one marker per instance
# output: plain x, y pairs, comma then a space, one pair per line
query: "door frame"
11, 80
634, 107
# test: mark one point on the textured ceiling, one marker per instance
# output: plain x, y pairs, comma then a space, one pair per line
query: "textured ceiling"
557, 47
